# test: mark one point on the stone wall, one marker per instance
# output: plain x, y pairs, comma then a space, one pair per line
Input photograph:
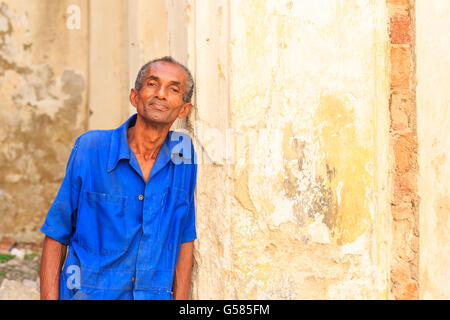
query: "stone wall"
403, 129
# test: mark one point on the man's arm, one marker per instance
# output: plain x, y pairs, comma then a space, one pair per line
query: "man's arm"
182, 279
53, 255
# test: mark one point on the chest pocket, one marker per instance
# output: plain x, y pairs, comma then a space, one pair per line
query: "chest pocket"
101, 226
175, 206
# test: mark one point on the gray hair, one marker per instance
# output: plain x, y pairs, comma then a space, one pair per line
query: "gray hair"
189, 84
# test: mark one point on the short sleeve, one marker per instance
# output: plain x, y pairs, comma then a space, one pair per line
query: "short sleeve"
189, 232
60, 221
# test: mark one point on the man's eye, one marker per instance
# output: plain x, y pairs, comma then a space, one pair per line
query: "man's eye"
175, 90
151, 84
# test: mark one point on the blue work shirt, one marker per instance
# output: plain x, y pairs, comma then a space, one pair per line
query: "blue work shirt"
123, 235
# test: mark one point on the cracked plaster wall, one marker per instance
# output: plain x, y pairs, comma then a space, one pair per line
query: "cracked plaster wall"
293, 204
43, 70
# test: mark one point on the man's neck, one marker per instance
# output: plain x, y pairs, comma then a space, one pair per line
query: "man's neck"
146, 139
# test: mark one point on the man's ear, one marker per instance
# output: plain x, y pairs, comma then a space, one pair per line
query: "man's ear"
134, 96
184, 111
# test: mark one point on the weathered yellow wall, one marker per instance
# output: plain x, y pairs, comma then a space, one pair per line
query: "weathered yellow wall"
295, 205
108, 63
43, 85
433, 112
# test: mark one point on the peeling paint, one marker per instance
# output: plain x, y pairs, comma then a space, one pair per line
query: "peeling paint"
302, 227
350, 216
41, 114
242, 193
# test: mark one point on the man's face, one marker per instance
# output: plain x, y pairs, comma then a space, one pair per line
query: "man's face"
160, 99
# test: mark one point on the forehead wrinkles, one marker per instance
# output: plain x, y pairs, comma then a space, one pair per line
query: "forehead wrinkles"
168, 72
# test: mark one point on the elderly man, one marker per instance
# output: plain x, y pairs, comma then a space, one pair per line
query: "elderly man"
125, 208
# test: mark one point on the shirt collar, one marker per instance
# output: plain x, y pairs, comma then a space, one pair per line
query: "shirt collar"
120, 149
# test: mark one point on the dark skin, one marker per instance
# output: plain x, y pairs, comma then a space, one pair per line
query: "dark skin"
158, 103
52, 261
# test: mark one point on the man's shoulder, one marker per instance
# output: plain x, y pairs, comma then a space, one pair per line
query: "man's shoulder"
94, 138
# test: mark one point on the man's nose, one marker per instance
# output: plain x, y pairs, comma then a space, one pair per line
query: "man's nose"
161, 93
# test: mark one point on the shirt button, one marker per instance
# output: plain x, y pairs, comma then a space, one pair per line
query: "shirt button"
141, 197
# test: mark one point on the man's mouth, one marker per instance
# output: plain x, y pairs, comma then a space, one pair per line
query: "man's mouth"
158, 106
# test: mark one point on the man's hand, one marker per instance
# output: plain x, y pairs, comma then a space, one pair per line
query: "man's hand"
53, 256
182, 279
